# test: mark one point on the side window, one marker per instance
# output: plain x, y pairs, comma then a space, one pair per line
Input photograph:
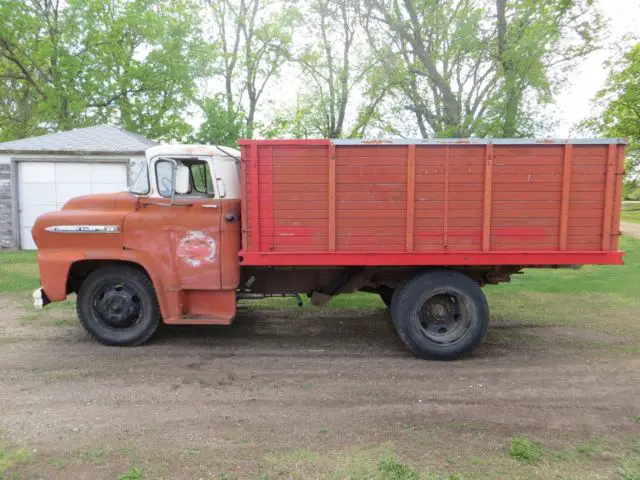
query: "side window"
201, 178
164, 177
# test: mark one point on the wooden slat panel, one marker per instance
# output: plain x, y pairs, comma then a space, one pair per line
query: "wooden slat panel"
246, 200
255, 206
332, 197
411, 189
612, 160
399, 163
304, 152
486, 222
618, 197
566, 194
533, 187
373, 151
446, 196
453, 222
266, 195
398, 178
518, 152
301, 178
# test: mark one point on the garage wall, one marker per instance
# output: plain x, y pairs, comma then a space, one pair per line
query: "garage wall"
6, 207
46, 184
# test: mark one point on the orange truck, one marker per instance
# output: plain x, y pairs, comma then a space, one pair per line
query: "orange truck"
424, 224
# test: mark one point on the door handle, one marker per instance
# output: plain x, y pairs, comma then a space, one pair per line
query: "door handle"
210, 205
230, 217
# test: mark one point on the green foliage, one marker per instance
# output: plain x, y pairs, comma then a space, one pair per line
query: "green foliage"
254, 39
631, 188
133, 63
132, 474
525, 450
390, 469
620, 117
220, 127
630, 471
10, 458
461, 73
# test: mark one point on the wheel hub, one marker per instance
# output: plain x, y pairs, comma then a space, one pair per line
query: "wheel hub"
440, 318
118, 307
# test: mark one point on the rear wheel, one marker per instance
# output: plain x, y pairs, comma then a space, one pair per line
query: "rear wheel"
117, 305
440, 314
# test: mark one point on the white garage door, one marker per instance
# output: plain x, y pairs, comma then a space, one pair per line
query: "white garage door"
46, 186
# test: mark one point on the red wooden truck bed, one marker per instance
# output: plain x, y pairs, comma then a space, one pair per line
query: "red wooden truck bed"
431, 202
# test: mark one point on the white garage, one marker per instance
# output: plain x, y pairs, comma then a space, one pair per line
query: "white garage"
45, 172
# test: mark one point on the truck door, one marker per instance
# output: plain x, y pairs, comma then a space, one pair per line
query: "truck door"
192, 223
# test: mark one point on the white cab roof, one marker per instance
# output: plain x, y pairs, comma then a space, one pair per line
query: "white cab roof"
196, 150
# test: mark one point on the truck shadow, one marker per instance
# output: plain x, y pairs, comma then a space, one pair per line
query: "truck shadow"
342, 334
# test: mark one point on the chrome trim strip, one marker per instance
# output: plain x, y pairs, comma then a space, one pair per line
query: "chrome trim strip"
83, 229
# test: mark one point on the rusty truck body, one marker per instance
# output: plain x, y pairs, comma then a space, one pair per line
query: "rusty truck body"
424, 224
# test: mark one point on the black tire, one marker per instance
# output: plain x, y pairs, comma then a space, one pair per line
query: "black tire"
440, 314
117, 305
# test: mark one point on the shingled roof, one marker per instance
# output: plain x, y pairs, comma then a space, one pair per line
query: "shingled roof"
100, 139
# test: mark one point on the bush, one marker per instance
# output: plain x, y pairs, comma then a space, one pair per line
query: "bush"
525, 450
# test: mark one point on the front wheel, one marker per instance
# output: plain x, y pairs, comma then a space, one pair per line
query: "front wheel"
117, 305
440, 314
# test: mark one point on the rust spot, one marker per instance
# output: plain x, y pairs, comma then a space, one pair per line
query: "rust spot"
196, 248
545, 141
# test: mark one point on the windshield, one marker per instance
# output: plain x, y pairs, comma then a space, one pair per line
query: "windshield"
138, 176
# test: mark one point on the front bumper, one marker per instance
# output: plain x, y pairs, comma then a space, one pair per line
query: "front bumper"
40, 299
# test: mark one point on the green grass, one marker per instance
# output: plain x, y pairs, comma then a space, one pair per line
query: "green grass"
630, 470
615, 279
132, 474
631, 217
18, 271
630, 212
525, 450
10, 458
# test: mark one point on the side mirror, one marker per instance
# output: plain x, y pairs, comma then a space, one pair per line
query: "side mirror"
183, 181
166, 177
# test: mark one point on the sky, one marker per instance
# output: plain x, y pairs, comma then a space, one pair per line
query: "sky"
574, 101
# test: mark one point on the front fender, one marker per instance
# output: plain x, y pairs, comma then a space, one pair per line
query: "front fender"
55, 265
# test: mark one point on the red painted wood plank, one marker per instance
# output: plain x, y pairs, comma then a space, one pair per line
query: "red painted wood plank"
369, 179
486, 222
246, 198
411, 202
399, 258
445, 214
255, 206
267, 198
612, 160
332, 197
375, 151
618, 197
531, 187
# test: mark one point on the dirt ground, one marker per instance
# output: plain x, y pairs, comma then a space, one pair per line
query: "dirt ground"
278, 394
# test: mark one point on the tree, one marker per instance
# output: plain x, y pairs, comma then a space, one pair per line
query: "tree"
220, 127
619, 102
254, 38
467, 66
134, 63
336, 64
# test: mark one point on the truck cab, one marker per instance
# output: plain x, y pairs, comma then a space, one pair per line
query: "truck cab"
166, 248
